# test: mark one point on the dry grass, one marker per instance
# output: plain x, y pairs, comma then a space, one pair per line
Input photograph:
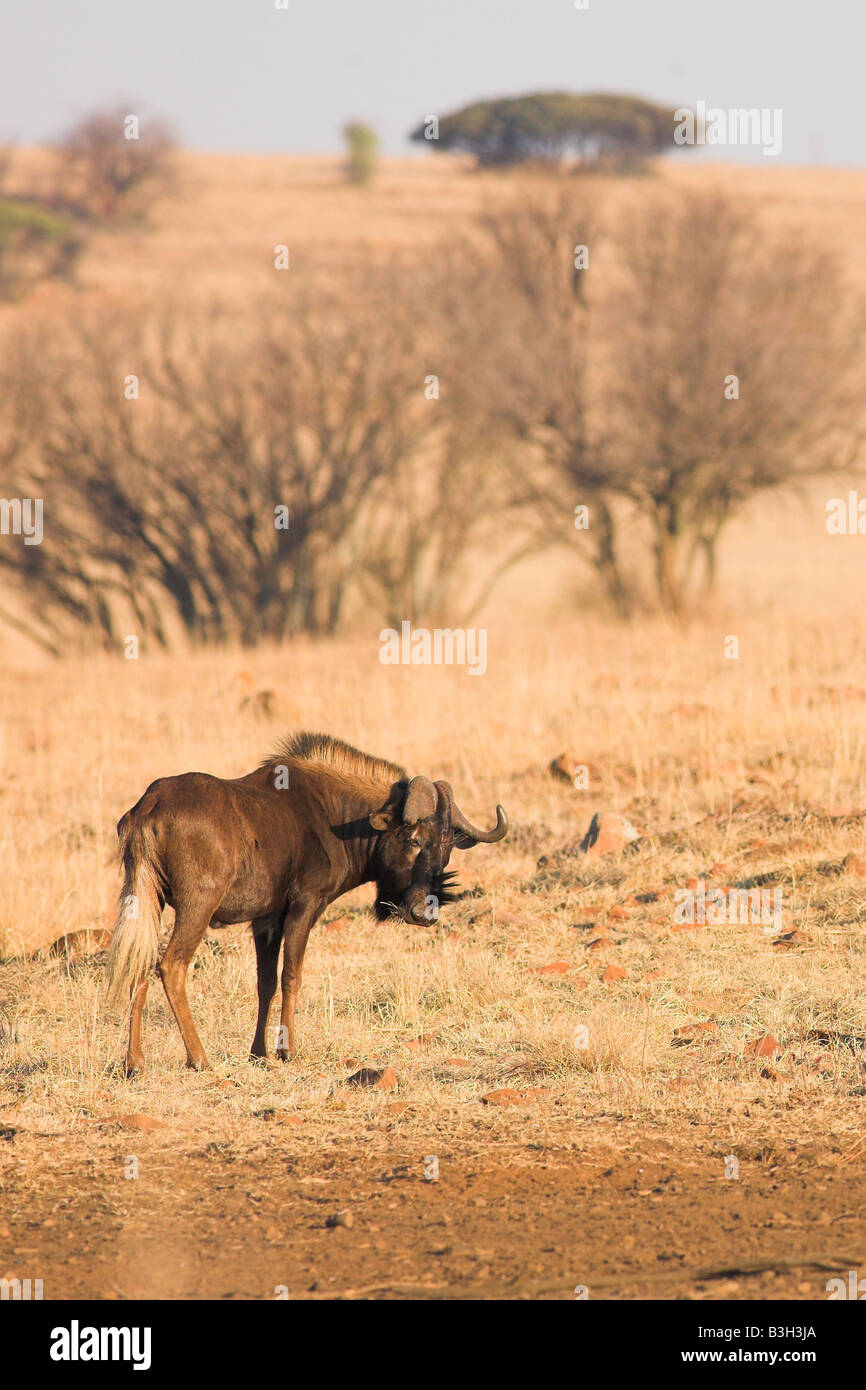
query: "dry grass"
679, 735
215, 235
739, 757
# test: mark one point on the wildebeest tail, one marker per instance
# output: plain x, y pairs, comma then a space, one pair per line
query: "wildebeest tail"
135, 943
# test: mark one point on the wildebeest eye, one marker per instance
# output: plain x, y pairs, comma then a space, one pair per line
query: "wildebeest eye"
415, 844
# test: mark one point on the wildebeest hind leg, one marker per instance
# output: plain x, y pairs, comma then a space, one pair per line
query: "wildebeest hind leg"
189, 928
134, 1053
267, 935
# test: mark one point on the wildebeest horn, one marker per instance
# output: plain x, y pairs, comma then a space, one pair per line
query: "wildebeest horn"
467, 834
421, 800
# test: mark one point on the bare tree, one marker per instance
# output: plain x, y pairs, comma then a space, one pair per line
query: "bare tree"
112, 162
447, 535
700, 357
254, 485
737, 370
521, 304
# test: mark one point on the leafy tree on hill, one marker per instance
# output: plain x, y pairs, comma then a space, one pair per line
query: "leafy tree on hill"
35, 244
599, 128
362, 146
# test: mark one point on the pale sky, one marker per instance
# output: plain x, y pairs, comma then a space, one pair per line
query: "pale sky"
242, 75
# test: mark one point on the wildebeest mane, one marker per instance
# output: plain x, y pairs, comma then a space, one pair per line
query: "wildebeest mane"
343, 757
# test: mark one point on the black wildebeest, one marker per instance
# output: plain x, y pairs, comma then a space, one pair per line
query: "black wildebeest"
274, 848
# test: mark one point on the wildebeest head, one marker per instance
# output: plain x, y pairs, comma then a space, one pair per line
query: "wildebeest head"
420, 825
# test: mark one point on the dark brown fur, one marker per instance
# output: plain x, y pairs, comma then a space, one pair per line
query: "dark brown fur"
274, 848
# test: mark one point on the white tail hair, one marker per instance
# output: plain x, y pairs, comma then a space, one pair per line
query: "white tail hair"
135, 943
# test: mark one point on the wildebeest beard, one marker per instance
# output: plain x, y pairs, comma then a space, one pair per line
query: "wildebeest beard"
444, 887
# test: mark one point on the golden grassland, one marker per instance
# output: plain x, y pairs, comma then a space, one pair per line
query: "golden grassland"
755, 764
213, 235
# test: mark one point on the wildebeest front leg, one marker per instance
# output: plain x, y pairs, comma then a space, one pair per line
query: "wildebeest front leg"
297, 929
268, 936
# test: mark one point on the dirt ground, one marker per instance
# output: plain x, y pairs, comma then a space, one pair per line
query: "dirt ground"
624, 1217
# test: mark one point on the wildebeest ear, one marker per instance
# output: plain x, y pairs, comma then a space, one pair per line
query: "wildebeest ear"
392, 812
421, 800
